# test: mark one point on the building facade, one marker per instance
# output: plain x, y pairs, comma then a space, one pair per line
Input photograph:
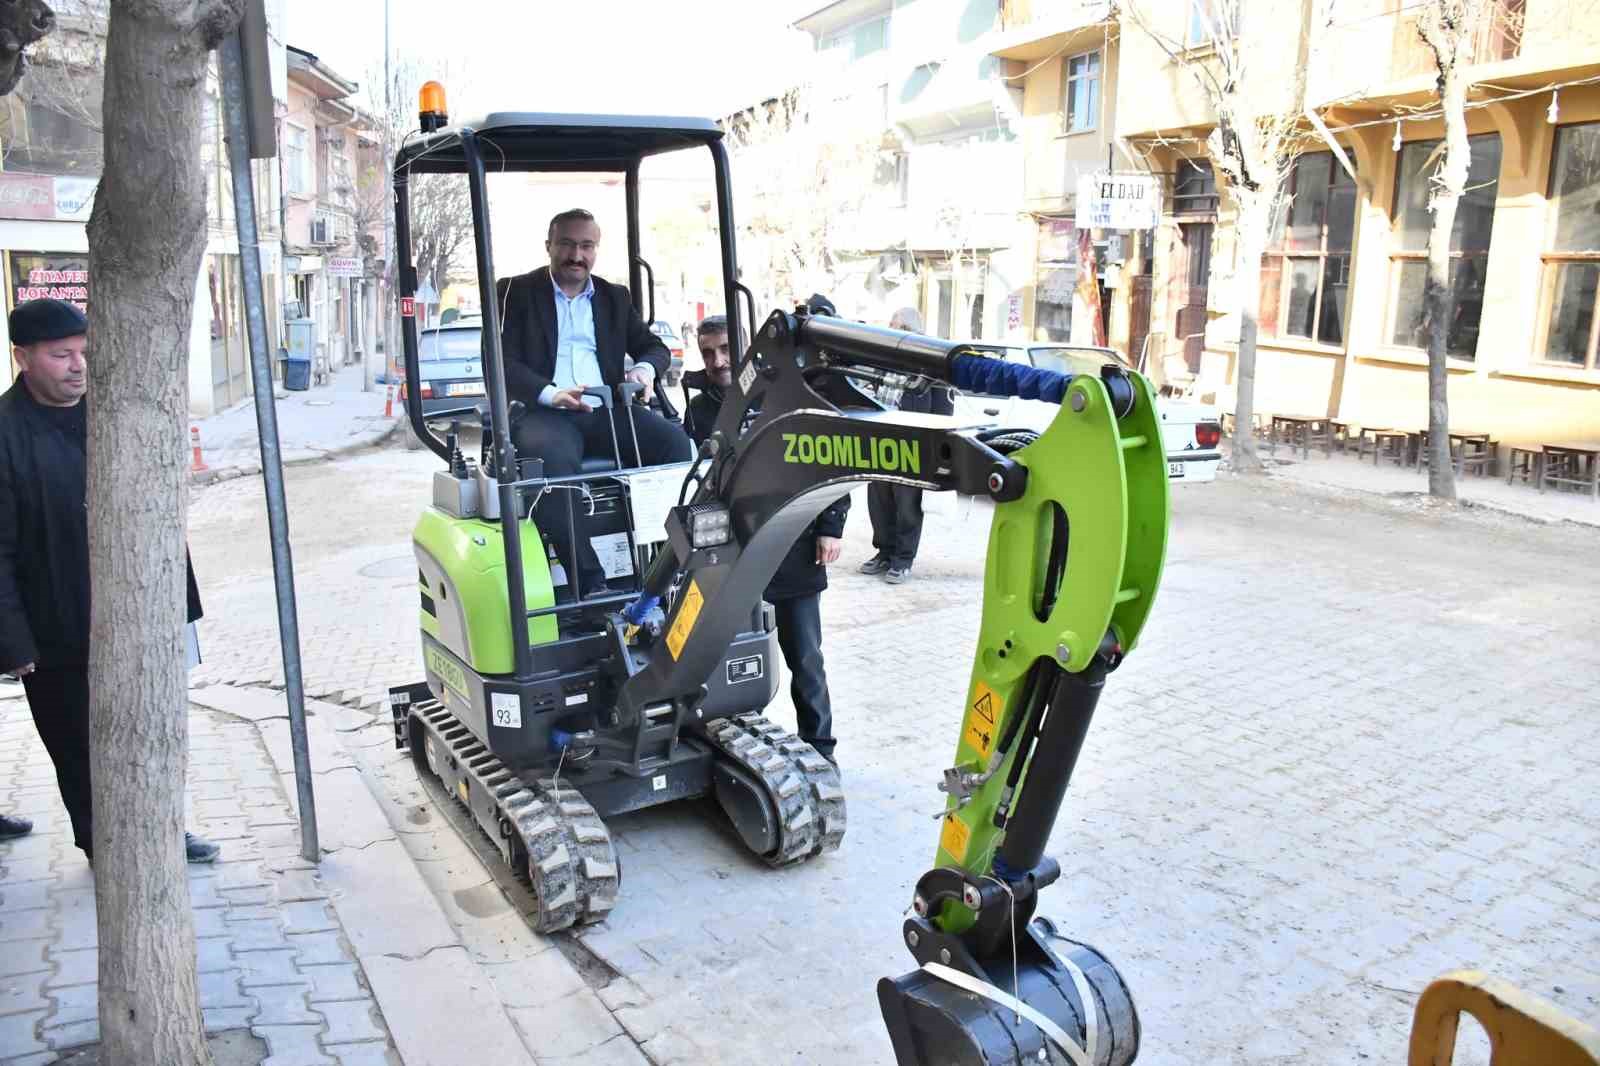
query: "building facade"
1341, 283
1064, 54
332, 219
50, 136
320, 212
940, 224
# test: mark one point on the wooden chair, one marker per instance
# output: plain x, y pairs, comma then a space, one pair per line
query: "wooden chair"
1523, 1030
1477, 456
1526, 462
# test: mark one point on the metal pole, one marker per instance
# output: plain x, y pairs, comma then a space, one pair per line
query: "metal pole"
369, 369
244, 213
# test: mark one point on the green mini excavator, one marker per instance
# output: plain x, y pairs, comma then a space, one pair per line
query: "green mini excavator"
545, 710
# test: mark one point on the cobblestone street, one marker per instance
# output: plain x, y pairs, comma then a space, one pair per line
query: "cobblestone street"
1354, 751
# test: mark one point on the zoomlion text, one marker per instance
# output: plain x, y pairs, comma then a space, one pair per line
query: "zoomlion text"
858, 453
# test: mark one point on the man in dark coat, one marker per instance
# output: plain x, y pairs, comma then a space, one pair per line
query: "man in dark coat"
44, 546
795, 591
563, 329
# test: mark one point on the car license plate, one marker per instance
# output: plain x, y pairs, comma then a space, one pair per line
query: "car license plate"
466, 388
1175, 469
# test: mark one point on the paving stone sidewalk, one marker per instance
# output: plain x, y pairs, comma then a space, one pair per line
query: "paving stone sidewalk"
274, 958
322, 422
1345, 473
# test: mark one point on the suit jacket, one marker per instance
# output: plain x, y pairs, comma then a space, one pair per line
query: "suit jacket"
44, 534
528, 333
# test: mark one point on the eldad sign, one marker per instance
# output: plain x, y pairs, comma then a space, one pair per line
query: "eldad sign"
1118, 201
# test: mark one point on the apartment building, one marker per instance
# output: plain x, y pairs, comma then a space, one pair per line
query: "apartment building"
1341, 286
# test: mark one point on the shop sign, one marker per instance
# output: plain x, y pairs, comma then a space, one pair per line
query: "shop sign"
31, 196
74, 198
1119, 201
345, 266
43, 275
46, 198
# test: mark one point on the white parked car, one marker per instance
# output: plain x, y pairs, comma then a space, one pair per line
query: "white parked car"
1189, 431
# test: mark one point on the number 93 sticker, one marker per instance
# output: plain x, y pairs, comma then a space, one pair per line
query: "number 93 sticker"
506, 708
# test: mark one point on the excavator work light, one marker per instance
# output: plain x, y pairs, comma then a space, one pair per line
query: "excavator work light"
709, 526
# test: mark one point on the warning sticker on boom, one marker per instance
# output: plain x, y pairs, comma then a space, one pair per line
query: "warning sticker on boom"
954, 837
688, 614
979, 727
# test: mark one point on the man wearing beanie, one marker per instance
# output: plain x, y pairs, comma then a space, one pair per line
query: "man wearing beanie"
44, 546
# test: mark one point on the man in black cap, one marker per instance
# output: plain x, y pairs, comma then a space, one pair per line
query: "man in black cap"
44, 546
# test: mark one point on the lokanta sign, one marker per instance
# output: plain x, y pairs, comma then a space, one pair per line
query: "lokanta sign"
1119, 201
42, 275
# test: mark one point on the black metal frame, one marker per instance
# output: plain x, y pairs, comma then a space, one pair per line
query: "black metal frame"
460, 150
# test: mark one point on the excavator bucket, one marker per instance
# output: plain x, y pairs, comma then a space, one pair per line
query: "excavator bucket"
1059, 1002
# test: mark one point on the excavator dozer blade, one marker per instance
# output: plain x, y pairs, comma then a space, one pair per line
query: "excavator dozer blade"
946, 1015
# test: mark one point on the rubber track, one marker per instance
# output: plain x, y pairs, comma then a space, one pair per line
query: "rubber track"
572, 866
802, 785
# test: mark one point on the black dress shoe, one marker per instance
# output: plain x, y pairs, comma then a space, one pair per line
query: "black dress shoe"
13, 826
199, 849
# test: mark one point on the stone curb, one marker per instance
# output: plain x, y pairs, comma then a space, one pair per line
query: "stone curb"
368, 439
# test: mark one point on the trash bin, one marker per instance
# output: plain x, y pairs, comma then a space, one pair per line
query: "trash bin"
296, 373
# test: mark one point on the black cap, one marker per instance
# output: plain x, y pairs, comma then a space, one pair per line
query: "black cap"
46, 320
821, 305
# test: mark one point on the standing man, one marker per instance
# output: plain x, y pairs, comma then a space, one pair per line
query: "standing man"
795, 591
896, 510
563, 329
44, 547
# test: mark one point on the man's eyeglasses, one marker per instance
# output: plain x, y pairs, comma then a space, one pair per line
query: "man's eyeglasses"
569, 246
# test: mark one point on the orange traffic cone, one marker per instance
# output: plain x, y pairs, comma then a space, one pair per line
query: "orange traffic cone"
197, 464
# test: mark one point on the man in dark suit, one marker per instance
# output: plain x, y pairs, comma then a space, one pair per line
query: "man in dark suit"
563, 329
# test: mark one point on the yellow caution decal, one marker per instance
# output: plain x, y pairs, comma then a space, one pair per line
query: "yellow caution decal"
954, 837
981, 724
688, 614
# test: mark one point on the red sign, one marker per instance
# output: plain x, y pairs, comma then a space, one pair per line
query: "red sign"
408, 307
40, 275
27, 196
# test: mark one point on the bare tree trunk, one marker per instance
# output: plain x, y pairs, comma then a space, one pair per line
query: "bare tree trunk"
1450, 39
146, 236
1249, 238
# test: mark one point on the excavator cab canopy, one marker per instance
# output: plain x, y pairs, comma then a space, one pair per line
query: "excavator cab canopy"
539, 142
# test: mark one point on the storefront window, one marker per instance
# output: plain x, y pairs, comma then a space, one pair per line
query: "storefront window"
1469, 243
1572, 263
1305, 286
1054, 280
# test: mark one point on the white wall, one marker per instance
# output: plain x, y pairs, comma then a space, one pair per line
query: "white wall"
200, 391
